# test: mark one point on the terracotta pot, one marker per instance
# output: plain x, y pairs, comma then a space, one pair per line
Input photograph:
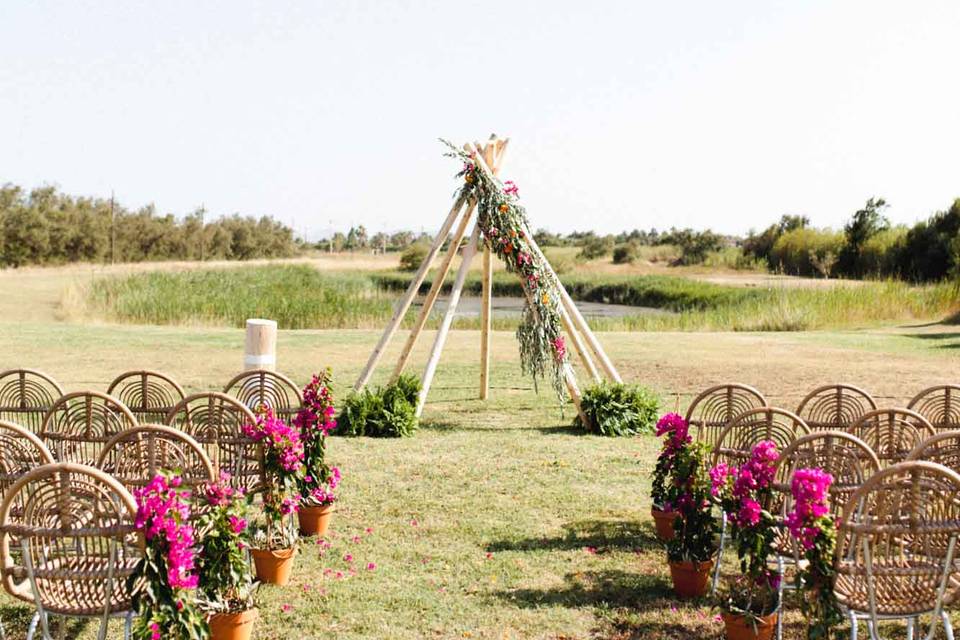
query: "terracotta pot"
273, 566
664, 523
741, 628
232, 626
314, 521
690, 578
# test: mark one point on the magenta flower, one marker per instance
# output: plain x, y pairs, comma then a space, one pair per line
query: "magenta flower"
510, 188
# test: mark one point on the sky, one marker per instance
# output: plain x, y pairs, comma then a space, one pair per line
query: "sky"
621, 114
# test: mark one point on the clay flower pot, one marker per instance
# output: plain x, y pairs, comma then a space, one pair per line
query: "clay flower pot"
690, 578
315, 520
741, 628
664, 523
273, 565
232, 626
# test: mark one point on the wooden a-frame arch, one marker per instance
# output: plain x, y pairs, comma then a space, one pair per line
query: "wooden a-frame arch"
489, 158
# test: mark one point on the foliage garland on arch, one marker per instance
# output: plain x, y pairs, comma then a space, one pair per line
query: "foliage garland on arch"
503, 223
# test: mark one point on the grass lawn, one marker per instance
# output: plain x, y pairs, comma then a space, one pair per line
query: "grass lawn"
496, 520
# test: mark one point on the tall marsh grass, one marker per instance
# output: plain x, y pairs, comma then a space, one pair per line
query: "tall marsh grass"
300, 297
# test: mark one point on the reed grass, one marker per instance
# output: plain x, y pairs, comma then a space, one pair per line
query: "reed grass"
300, 297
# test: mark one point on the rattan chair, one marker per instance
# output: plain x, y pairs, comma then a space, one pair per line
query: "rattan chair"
150, 395
262, 387
26, 395
216, 420
77, 544
79, 423
741, 435
940, 405
20, 451
892, 433
942, 448
710, 411
835, 407
896, 547
137, 455
845, 457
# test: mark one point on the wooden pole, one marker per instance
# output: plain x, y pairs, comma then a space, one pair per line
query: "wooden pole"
486, 308
441, 338
577, 343
486, 296
576, 317
435, 288
261, 345
434, 293
404, 303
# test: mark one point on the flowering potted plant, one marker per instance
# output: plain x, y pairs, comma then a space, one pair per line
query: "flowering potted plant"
692, 549
750, 603
276, 541
225, 583
813, 527
675, 428
319, 481
163, 583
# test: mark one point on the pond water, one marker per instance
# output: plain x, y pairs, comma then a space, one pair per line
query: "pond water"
507, 307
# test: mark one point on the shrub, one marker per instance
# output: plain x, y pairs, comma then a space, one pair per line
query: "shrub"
625, 254
594, 248
413, 256
617, 409
807, 251
384, 412
880, 252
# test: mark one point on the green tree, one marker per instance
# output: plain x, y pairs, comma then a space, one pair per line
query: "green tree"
865, 223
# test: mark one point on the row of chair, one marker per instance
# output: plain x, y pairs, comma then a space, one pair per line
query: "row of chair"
830, 407
27, 395
895, 493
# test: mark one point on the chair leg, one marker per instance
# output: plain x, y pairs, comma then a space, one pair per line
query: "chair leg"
872, 628
716, 568
128, 625
32, 629
910, 627
853, 626
947, 626
780, 572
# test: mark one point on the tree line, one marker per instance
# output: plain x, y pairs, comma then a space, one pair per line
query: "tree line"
46, 226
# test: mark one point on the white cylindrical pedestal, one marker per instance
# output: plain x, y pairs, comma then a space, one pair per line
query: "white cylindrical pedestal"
261, 345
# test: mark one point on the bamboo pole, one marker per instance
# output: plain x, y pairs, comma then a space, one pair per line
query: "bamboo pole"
486, 297
404, 303
434, 293
576, 317
578, 346
444, 329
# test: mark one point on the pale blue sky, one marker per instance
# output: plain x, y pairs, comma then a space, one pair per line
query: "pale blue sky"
621, 114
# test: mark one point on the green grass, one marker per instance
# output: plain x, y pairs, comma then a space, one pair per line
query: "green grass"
507, 477
296, 296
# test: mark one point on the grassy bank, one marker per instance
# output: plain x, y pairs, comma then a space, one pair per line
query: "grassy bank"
299, 297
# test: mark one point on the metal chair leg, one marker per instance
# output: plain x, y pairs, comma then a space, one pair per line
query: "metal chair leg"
32, 629
853, 625
780, 571
947, 626
716, 568
910, 626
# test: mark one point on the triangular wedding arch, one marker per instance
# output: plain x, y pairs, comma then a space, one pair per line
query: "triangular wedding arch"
502, 228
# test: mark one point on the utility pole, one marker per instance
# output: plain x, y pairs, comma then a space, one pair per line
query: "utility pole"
113, 231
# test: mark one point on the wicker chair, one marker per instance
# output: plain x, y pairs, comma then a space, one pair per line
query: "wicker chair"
845, 457
26, 395
79, 423
20, 451
940, 405
942, 448
150, 395
896, 547
262, 387
741, 435
216, 420
137, 455
710, 411
835, 407
892, 433
77, 544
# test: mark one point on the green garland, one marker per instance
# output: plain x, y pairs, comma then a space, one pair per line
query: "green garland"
503, 222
